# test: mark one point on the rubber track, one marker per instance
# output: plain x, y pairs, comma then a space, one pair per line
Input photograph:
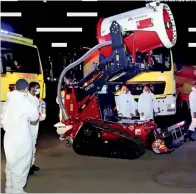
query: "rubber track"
92, 145
122, 134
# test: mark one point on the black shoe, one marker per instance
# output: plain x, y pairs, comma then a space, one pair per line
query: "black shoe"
31, 172
35, 168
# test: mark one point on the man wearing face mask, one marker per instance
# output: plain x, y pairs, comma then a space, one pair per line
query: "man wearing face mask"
126, 104
33, 93
18, 112
147, 104
192, 102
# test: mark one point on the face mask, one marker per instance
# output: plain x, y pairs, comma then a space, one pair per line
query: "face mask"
194, 89
37, 91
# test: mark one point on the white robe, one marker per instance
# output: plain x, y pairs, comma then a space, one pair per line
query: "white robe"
147, 104
34, 125
17, 114
192, 101
126, 105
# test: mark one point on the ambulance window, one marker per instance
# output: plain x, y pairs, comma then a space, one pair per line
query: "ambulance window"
162, 59
20, 58
3, 65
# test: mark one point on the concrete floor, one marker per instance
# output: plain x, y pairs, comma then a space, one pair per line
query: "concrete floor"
64, 171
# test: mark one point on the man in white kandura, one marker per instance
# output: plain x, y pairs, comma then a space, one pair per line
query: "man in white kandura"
192, 102
126, 104
147, 104
34, 91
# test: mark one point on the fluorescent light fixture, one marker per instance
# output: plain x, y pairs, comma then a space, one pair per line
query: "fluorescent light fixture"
7, 0
59, 29
81, 14
59, 44
10, 14
192, 29
89, 0
193, 45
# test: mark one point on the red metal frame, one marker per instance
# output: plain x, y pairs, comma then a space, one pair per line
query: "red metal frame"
77, 118
91, 113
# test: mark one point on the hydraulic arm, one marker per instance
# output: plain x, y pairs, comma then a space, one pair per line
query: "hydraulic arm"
120, 65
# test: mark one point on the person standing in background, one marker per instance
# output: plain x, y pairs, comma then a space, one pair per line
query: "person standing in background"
147, 104
34, 91
18, 112
126, 104
192, 102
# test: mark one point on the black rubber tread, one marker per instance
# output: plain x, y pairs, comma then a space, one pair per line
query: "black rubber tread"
87, 142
